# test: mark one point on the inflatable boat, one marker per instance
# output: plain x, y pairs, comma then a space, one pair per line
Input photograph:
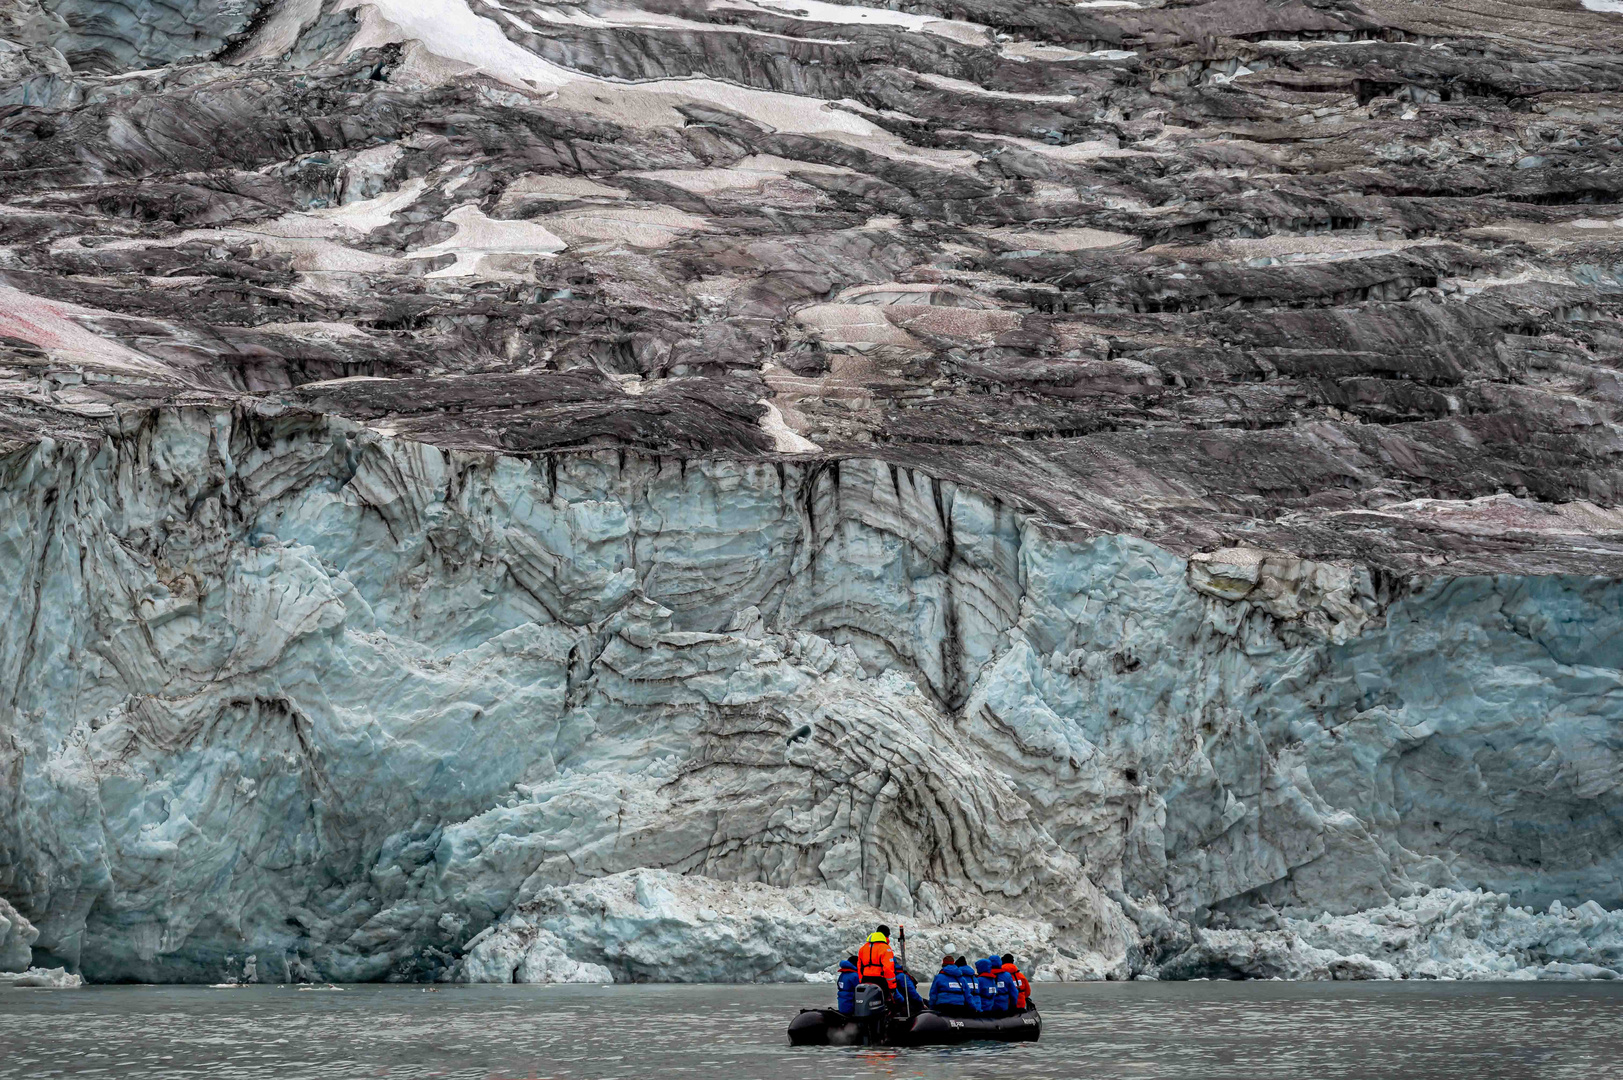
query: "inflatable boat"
827, 1027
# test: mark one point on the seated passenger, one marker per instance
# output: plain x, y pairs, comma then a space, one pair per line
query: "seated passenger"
907, 992
1021, 983
986, 985
947, 995
1007, 994
972, 988
845, 995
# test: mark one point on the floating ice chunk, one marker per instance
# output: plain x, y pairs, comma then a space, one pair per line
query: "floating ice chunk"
44, 978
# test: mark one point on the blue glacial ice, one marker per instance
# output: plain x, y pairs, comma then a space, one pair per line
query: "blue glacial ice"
282, 695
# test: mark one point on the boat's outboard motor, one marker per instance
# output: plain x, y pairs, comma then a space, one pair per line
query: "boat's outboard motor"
868, 1007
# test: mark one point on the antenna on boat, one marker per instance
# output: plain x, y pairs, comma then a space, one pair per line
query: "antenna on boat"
907, 999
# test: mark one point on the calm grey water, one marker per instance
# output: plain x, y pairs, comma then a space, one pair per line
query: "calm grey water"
1211, 1031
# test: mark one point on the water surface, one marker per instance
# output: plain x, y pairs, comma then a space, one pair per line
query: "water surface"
1102, 1031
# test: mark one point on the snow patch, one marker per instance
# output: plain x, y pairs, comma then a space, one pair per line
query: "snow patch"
856, 15
961, 86
1078, 239
490, 247
561, 188
748, 173
450, 29
785, 112
58, 328
859, 326
639, 226
630, 17
785, 438
360, 216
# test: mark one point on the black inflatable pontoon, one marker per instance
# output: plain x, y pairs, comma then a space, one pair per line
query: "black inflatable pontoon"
826, 1027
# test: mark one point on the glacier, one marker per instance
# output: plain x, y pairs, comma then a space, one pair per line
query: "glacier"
1429, 934
288, 698
17, 937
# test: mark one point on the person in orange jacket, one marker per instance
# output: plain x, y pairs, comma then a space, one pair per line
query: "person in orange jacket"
875, 961
1021, 983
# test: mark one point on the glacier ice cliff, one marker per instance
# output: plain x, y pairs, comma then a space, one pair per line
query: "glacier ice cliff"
287, 695
652, 925
1430, 934
17, 937
571, 489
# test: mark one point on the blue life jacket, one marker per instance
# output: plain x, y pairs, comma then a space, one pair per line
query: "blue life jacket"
845, 998
972, 989
986, 983
948, 988
1001, 998
1008, 994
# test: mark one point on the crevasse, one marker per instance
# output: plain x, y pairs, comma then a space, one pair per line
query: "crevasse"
279, 694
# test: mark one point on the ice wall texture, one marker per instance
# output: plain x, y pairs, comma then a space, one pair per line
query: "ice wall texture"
127, 35
17, 937
278, 686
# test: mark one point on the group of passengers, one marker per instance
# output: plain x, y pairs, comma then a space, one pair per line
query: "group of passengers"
988, 989
993, 987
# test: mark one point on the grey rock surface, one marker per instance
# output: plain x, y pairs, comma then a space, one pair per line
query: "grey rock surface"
1138, 472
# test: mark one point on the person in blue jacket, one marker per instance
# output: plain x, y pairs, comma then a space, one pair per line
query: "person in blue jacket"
907, 992
1007, 992
986, 983
947, 990
972, 988
845, 998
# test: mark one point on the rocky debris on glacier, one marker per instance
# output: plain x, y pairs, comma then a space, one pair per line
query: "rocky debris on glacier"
1120, 470
1301, 277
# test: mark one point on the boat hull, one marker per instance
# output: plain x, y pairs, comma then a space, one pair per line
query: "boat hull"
827, 1027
